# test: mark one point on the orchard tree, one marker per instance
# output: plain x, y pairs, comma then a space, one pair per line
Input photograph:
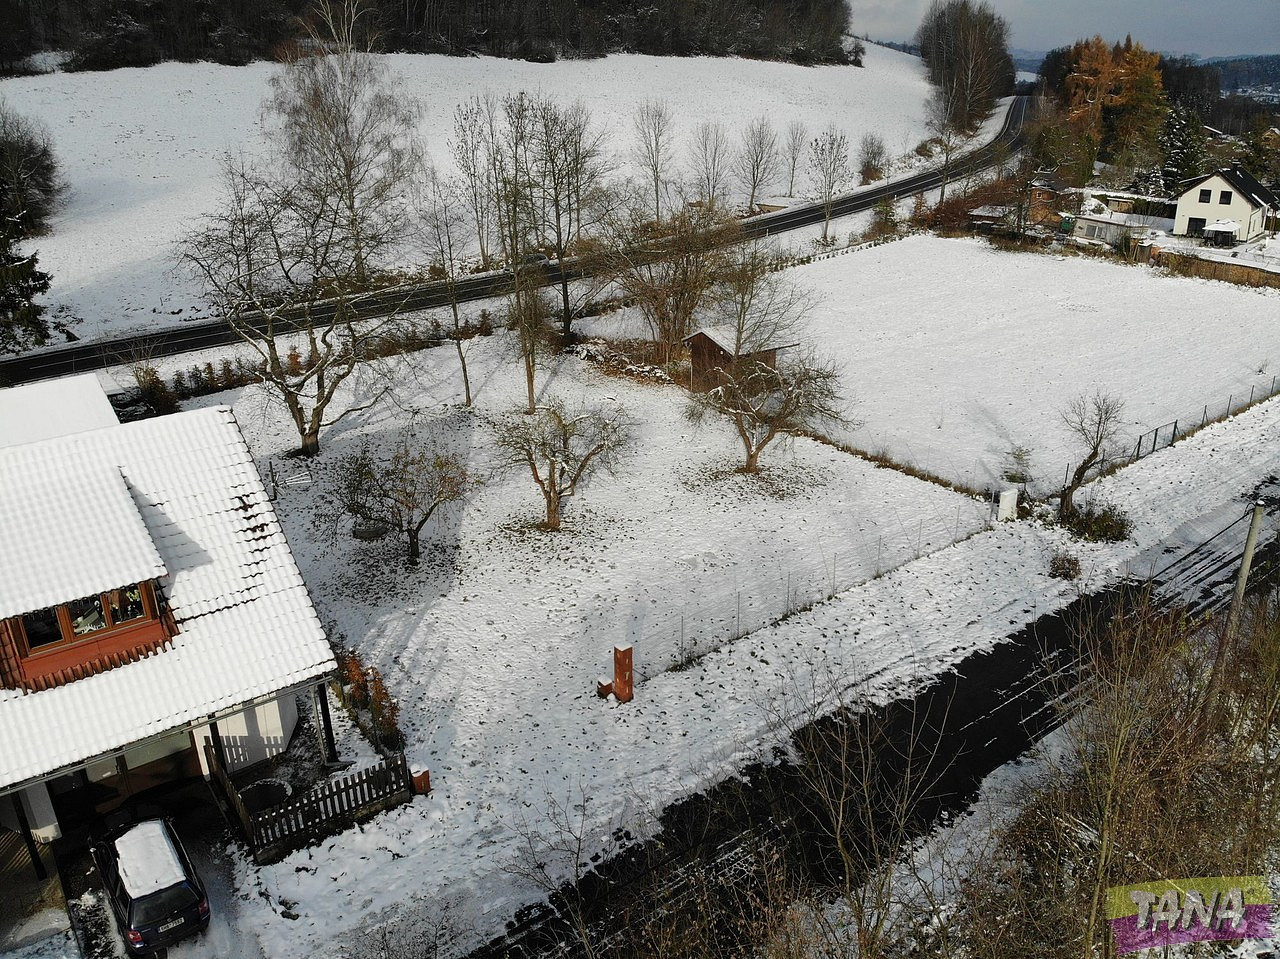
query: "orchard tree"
801, 395
402, 489
563, 447
1092, 420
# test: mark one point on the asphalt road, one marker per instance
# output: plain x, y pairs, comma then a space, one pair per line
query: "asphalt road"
192, 337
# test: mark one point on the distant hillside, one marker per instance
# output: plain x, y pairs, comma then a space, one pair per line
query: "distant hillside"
1246, 72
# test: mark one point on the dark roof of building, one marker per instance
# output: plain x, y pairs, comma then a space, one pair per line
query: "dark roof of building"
1244, 183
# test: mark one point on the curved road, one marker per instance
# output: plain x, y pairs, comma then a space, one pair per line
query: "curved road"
98, 354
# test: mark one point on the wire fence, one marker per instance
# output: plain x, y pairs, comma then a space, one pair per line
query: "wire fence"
1166, 434
714, 606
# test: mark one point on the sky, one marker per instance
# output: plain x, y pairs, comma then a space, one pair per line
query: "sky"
1210, 28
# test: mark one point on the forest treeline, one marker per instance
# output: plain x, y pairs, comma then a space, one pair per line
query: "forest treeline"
103, 34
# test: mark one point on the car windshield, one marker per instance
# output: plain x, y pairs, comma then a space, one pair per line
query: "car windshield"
162, 905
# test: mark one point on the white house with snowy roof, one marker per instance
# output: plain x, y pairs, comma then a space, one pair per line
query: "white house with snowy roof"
150, 608
1226, 206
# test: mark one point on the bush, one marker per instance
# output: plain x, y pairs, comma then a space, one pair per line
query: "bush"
1107, 524
1064, 566
30, 184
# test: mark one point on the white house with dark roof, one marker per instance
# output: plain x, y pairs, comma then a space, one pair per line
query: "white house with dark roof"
1226, 206
149, 605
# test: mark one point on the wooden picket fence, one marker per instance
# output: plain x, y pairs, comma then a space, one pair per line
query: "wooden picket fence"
321, 811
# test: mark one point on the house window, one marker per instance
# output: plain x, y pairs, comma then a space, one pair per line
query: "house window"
1224, 198
86, 618
1206, 196
1195, 226
42, 628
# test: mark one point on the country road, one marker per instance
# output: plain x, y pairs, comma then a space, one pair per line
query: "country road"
187, 338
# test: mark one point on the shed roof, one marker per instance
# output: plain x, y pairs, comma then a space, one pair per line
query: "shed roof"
246, 625
727, 338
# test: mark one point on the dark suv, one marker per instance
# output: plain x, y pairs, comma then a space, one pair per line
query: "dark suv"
155, 894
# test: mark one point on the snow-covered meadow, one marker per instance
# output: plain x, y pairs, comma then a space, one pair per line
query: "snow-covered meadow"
956, 352
140, 148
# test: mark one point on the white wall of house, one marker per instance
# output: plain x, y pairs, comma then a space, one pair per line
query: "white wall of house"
1240, 210
39, 809
252, 735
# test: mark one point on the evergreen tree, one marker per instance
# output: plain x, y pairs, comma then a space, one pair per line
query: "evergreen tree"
1181, 144
22, 320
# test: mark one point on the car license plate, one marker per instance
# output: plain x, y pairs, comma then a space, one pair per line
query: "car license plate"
171, 925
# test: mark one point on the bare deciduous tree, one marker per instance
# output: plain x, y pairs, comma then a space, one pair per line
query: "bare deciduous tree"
673, 276
563, 447
802, 394
570, 169
469, 148
873, 156
400, 490
439, 208
297, 236
654, 136
829, 171
938, 121
1094, 421
528, 317
756, 163
709, 162
793, 150
345, 128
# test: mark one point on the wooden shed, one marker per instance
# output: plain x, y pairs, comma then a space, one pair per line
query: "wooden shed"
715, 348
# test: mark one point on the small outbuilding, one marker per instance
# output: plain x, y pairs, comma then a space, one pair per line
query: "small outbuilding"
714, 349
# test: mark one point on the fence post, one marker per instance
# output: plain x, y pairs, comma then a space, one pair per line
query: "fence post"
1230, 397
1251, 389
1174, 435
1205, 418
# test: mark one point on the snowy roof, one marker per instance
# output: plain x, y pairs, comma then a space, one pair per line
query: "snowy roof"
87, 532
1242, 180
726, 337
246, 625
1128, 220
1223, 226
991, 211
148, 862
40, 411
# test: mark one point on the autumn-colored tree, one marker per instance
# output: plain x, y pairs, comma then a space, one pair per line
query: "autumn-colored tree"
1136, 108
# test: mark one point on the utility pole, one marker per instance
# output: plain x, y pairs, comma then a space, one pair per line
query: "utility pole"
1228, 639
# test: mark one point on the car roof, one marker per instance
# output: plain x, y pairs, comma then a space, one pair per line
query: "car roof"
147, 859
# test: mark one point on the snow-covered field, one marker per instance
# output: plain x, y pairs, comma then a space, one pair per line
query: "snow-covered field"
140, 147
956, 352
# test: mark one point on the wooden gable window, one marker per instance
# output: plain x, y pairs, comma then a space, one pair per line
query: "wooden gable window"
88, 618
82, 637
